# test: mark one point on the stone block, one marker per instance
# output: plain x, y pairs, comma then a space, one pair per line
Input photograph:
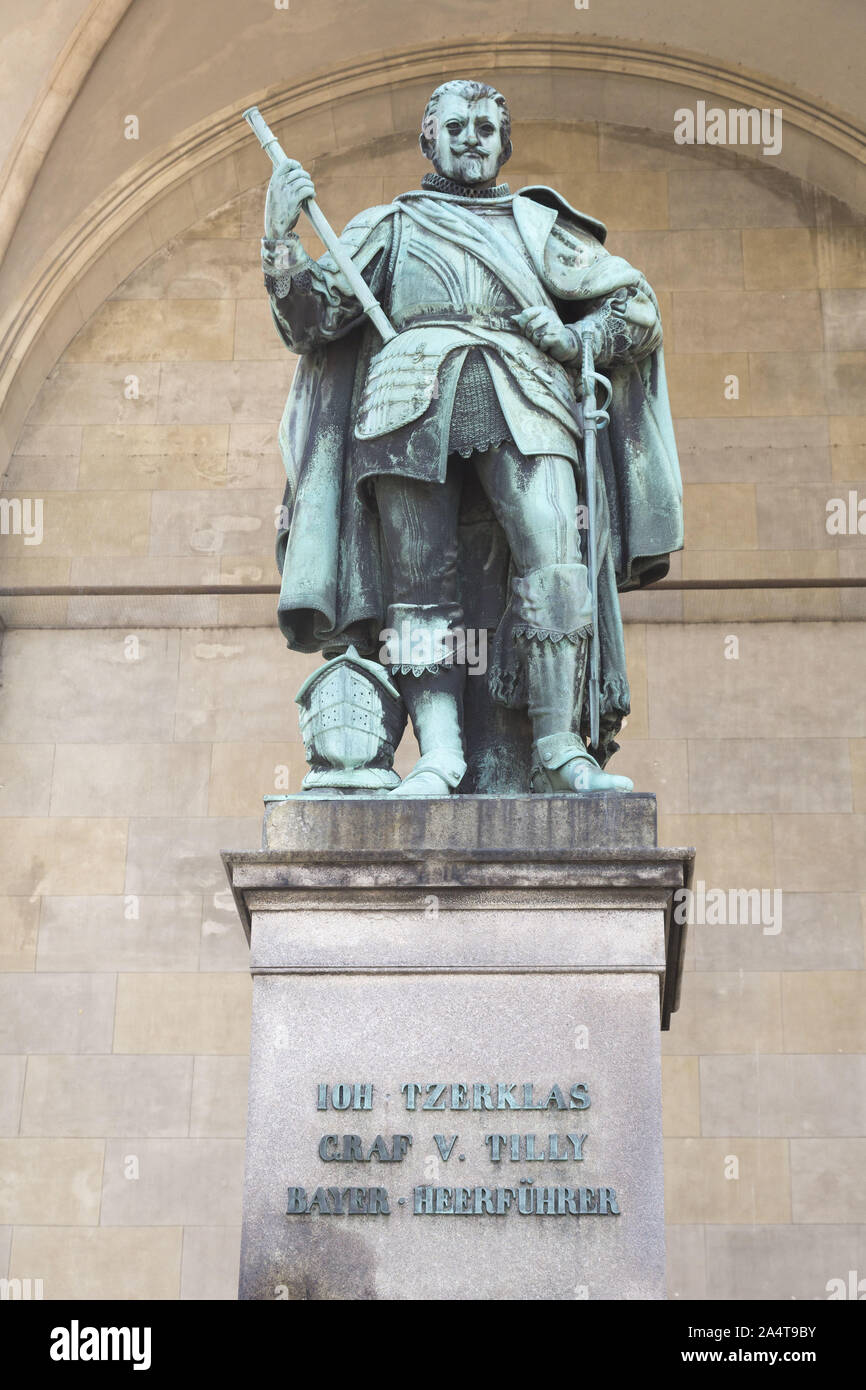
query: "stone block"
686, 1262
129, 1096
85, 393
510, 825
49, 441
50, 1182
222, 392
798, 931
681, 1098
213, 522
244, 773
857, 751
219, 1097
795, 1262
769, 775
824, 1011
780, 258
223, 947
636, 723
788, 383
171, 213
19, 924
69, 856
11, 1090
842, 257
799, 1097
845, 374
87, 523
182, 1013
747, 321
697, 384
157, 330
219, 268
211, 1255
706, 259
736, 850
820, 853
221, 222
127, 779
221, 697
194, 1182
848, 446
32, 474
727, 1012
799, 656
657, 767
26, 786
741, 198
56, 1013
100, 1262
781, 450
727, 1181
626, 201
69, 687
844, 313
154, 457
720, 516
120, 933
827, 1180
174, 854
761, 604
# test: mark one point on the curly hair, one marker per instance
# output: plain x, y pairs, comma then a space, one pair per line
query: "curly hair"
470, 91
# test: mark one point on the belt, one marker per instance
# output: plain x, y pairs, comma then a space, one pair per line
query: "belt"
443, 315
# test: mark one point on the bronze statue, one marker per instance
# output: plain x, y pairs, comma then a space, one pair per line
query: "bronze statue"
437, 463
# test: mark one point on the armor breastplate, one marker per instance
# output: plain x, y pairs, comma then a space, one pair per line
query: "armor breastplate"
440, 297
434, 275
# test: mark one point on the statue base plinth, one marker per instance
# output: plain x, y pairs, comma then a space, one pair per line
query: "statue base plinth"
491, 971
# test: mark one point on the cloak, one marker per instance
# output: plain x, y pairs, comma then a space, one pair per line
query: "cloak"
329, 548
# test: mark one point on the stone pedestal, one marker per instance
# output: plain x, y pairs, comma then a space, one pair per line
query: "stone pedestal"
455, 1086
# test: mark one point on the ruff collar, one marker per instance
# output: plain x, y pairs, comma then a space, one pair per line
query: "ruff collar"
437, 183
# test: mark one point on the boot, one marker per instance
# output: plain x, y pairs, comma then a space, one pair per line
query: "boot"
434, 700
556, 676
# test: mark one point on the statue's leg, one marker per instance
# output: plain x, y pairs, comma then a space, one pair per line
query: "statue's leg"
535, 502
425, 624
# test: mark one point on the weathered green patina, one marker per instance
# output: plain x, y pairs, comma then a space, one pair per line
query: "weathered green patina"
435, 480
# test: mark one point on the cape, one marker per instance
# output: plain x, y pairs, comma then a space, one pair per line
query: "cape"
329, 548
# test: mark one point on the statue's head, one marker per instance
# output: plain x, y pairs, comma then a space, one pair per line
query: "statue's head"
466, 132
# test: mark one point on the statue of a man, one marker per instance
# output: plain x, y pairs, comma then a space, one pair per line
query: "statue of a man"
389, 447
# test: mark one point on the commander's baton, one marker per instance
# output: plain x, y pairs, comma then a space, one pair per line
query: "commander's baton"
278, 157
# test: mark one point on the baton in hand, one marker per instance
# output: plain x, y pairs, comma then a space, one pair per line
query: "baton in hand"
371, 306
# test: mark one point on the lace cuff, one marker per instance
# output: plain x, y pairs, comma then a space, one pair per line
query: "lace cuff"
282, 260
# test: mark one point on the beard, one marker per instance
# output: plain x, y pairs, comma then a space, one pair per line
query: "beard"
469, 168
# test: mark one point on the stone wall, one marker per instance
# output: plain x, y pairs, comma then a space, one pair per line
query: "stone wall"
140, 735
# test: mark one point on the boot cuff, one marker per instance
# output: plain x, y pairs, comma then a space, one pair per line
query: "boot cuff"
422, 637
553, 604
